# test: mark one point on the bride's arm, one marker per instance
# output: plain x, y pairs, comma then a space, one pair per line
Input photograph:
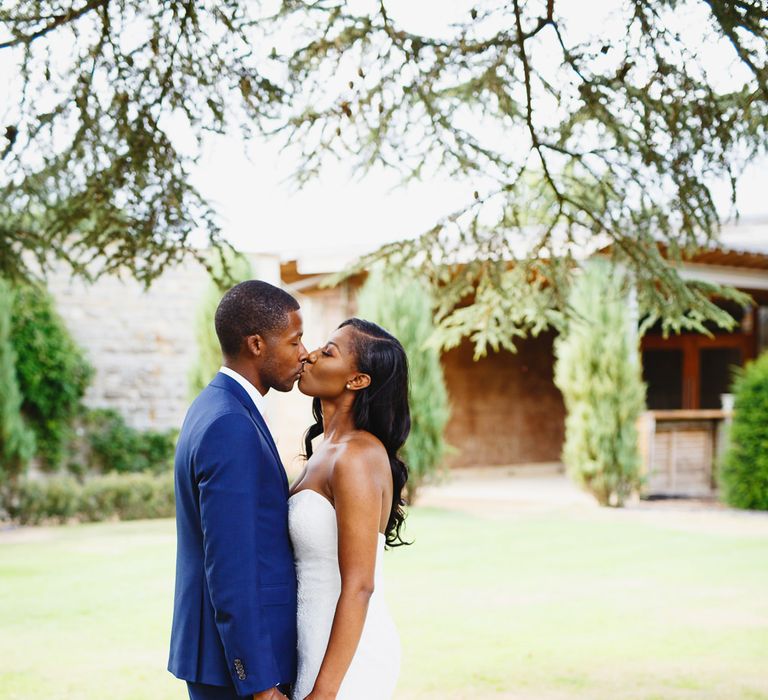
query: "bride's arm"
357, 495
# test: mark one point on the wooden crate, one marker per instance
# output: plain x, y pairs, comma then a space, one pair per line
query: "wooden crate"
680, 450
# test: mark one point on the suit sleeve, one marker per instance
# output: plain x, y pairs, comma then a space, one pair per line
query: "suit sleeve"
226, 467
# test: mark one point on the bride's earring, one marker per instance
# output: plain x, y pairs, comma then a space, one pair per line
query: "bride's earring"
348, 387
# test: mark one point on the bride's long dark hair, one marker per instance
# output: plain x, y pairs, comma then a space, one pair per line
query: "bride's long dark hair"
381, 408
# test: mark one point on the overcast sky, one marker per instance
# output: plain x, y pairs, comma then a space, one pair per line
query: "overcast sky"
260, 212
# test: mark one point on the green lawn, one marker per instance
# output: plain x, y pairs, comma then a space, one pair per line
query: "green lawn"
533, 606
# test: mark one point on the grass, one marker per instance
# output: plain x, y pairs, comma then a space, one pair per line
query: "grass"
531, 606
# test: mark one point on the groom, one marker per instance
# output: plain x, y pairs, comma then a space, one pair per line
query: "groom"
234, 613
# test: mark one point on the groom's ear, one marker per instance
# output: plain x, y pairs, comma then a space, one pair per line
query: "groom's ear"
254, 344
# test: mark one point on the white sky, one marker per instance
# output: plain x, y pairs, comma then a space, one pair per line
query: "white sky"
261, 212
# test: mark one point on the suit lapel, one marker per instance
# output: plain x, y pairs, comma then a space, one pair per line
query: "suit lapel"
225, 382
261, 424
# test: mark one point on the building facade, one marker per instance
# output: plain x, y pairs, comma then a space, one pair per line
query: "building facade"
505, 408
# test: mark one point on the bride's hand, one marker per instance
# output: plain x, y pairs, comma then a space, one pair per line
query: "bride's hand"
319, 695
271, 694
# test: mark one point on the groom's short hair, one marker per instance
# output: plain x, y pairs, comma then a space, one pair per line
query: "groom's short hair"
251, 308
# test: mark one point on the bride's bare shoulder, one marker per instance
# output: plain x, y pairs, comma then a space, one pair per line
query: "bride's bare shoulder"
362, 457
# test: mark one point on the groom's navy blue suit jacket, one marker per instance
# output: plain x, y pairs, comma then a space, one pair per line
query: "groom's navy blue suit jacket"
234, 615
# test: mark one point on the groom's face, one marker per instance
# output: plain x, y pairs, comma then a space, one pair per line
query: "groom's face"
284, 355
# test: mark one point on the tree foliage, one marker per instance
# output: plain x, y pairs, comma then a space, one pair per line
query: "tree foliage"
744, 474
94, 171
568, 142
576, 144
401, 305
16, 439
598, 371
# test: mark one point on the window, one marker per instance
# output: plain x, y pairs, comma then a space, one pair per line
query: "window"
716, 367
663, 373
762, 329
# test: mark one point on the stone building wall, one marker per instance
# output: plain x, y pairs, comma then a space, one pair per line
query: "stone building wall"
141, 342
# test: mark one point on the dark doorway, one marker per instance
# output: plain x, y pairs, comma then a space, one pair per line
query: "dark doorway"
692, 370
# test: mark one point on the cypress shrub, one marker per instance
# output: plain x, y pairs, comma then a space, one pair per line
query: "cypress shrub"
17, 442
598, 371
743, 476
402, 306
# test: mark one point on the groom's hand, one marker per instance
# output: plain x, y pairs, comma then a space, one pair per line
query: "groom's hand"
271, 694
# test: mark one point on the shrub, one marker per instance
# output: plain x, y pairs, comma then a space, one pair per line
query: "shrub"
125, 496
744, 473
16, 439
52, 372
403, 306
112, 445
128, 496
55, 498
598, 371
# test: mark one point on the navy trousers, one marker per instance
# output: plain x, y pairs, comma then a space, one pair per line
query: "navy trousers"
201, 691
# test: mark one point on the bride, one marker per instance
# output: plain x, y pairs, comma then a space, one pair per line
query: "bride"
344, 508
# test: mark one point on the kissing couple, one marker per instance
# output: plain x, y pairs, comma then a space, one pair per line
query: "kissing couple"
279, 589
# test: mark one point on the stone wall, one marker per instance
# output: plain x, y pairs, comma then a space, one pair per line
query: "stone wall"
141, 342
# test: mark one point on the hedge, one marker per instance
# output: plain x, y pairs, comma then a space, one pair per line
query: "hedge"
122, 496
744, 473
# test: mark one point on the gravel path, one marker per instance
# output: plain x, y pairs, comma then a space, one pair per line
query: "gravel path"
508, 492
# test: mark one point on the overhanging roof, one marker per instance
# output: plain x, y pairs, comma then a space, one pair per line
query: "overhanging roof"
743, 247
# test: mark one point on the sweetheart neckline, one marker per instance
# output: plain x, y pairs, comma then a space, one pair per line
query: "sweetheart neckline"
320, 495
317, 493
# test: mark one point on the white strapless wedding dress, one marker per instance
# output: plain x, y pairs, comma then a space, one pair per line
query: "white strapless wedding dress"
376, 664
